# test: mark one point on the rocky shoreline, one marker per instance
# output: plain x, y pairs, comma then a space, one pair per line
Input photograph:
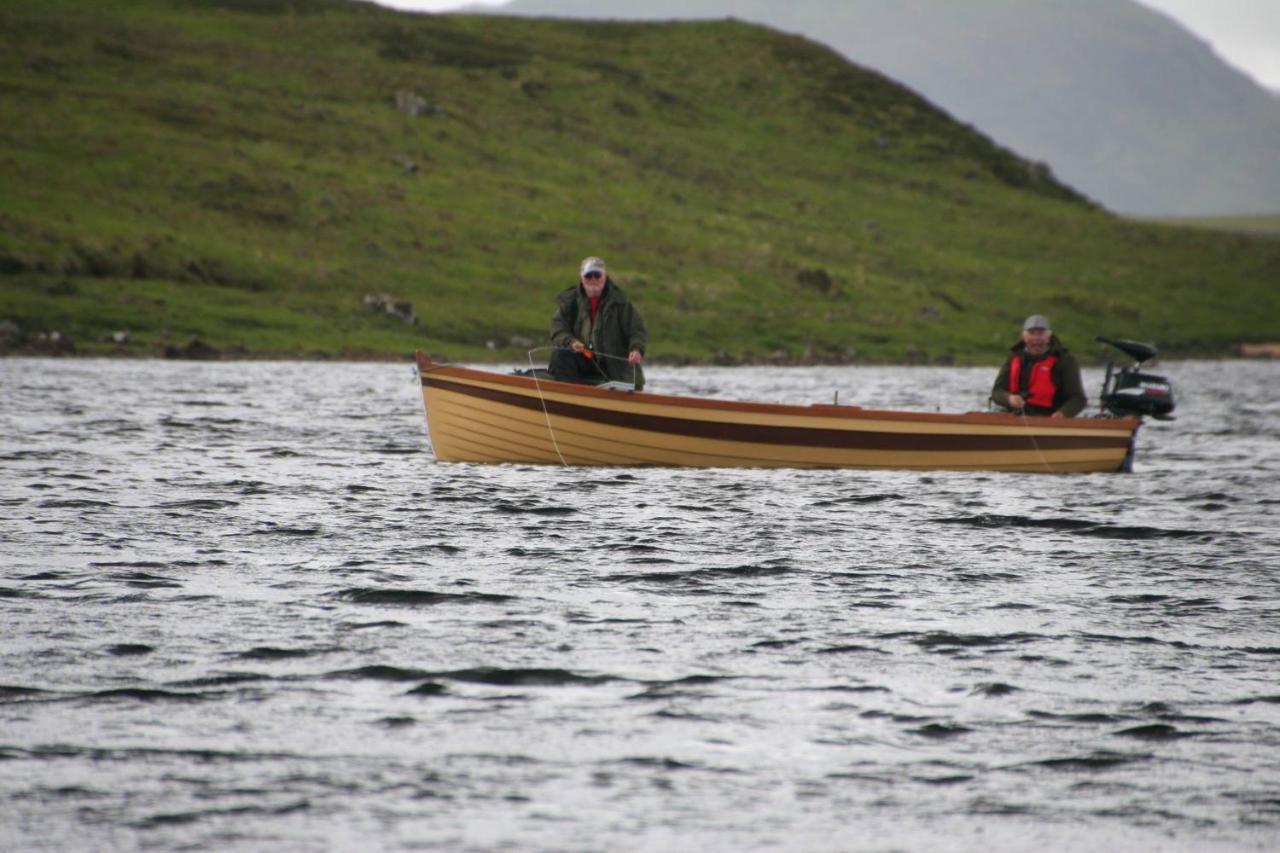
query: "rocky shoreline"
13, 343
197, 350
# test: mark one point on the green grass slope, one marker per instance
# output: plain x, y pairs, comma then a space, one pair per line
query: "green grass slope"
238, 171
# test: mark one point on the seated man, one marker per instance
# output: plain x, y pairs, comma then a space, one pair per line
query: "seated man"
1041, 377
597, 333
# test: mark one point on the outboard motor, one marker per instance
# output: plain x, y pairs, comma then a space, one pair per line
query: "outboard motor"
1128, 392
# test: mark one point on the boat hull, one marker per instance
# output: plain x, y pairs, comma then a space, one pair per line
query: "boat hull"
475, 416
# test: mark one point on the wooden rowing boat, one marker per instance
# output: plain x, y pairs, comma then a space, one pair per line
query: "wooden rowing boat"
478, 416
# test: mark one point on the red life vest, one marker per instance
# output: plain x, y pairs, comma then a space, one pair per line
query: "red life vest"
1041, 389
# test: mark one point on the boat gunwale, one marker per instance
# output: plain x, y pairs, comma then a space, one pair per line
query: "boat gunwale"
814, 410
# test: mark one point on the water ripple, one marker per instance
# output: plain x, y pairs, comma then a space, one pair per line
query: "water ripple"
244, 609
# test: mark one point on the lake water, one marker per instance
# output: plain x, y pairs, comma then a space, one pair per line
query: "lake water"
244, 609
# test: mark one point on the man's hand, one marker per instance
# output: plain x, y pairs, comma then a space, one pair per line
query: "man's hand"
635, 357
1016, 402
577, 346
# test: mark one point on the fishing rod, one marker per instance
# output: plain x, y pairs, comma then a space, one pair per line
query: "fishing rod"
592, 356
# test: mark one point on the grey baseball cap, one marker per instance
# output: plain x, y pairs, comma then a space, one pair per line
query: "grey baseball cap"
592, 264
1036, 321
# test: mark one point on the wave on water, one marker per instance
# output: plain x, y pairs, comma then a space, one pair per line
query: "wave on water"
507, 508
498, 676
273, 653
286, 627
1080, 527
418, 597
74, 503
129, 649
698, 577
1099, 760
198, 503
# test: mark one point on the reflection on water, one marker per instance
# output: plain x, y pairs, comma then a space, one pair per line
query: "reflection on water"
245, 609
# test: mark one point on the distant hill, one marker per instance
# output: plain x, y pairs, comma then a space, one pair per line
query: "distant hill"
1122, 102
322, 177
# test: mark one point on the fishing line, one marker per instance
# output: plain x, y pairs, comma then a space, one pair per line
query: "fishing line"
1027, 423
533, 371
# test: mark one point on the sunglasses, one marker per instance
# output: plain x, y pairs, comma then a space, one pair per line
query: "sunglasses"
594, 274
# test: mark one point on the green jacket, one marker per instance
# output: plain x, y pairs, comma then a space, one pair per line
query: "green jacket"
617, 329
1069, 397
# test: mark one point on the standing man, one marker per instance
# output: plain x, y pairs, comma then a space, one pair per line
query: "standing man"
1041, 377
597, 333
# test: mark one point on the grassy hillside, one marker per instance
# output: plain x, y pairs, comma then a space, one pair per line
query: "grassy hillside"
238, 170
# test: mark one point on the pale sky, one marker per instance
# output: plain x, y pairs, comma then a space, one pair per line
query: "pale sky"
1246, 33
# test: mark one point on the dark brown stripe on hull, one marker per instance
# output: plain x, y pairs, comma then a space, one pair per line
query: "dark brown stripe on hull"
784, 435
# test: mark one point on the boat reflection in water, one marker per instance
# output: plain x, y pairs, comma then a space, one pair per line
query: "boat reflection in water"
479, 416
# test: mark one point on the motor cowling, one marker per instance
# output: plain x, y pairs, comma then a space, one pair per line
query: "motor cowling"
1128, 392
1136, 393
